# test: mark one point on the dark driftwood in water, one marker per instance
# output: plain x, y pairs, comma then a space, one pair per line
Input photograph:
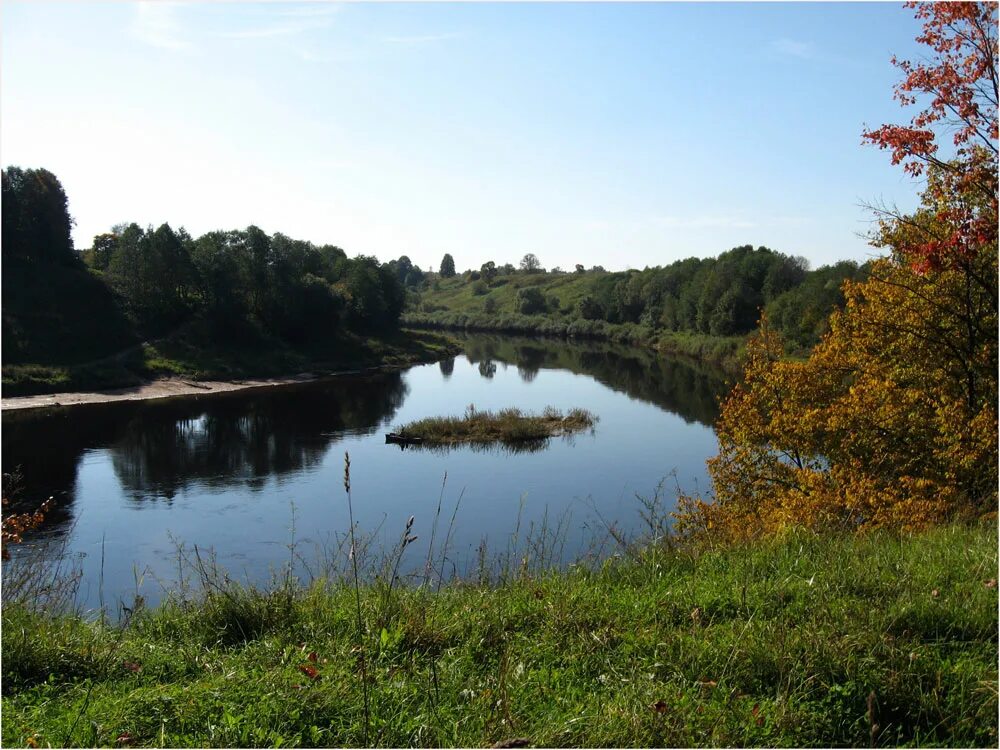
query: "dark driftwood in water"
392, 437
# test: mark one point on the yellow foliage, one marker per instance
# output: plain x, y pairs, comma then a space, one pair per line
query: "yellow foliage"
891, 422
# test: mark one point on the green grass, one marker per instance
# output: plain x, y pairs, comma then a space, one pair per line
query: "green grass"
194, 354
454, 304
504, 426
804, 641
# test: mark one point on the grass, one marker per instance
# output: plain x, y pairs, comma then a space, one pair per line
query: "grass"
194, 354
724, 351
875, 640
506, 426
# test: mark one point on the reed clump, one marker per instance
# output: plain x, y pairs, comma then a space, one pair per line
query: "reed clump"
507, 426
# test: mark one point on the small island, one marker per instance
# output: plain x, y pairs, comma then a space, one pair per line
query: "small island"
507, 427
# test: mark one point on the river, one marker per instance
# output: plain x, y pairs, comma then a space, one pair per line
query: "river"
254, 480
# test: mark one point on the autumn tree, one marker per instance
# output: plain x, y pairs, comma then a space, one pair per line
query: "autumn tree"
892, 420
957, 83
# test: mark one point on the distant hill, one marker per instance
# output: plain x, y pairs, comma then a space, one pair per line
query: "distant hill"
715, 298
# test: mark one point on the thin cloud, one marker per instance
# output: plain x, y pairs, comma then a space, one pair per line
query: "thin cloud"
794, 48
286, 23
420, 39
156, 24
313, 10
265, 32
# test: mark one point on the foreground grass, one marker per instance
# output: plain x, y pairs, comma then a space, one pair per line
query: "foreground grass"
826, 641
504, 426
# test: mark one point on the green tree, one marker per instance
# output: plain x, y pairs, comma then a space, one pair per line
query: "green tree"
530, 263
102, 249
530, 301
447, 266
36, 224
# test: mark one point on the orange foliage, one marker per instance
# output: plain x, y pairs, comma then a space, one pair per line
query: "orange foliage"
16, 524
891, 422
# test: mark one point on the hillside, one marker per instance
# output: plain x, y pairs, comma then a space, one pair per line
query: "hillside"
702, 307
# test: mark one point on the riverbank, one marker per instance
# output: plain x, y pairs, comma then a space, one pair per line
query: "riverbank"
726, 352
840, 640
171, 370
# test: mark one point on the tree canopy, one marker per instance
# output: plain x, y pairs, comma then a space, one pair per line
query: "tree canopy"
892, 420
447, 266
36, 220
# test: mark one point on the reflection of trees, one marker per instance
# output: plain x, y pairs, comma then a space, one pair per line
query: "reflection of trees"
507, 448
161, 447
243, 441
487, 368
686, 388
447, 367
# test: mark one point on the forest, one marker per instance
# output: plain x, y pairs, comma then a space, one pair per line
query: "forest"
222, 289
714, 297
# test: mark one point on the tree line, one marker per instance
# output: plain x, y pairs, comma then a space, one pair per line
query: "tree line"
721, 296
236, 281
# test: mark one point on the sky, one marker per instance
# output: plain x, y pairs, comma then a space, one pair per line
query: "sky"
613, 134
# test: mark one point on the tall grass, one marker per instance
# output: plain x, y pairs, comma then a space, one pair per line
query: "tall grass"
806, 640
503, 426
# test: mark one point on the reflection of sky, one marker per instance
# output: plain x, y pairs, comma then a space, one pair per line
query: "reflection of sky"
634, 446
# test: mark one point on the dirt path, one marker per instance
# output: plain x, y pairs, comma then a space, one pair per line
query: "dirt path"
163, 388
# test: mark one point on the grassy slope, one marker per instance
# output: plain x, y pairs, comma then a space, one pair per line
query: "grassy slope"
191, 354
455, 305
825, 641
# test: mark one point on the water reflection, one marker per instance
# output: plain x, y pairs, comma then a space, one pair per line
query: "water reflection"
503, 447
447, 367
159, 448
687, 388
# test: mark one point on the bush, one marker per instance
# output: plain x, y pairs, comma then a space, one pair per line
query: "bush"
530, 301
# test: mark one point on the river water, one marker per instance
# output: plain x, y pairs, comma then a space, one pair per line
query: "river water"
255, 479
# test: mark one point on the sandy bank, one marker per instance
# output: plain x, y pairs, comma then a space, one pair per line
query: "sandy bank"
162, 388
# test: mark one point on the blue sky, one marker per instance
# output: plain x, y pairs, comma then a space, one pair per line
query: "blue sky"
617, 134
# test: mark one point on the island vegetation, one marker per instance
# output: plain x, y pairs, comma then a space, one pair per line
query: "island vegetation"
837, 586
506, 426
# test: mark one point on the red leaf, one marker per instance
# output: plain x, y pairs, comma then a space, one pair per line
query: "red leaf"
659, 707
125, 739
309, 671
312, 657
